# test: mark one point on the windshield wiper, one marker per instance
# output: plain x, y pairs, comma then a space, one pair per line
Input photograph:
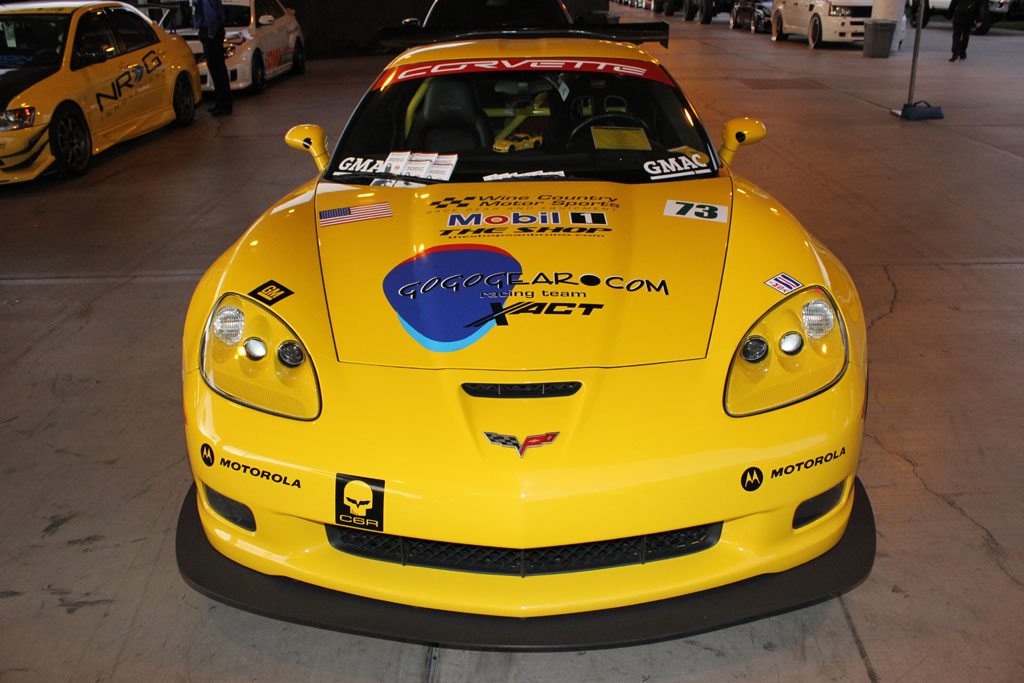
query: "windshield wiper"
384, 176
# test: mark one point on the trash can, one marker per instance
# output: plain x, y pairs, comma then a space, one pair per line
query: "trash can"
878, 35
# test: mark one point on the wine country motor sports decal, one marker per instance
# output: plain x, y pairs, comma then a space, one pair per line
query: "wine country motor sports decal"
438, 291
351, 214
512, 442
784, 283
619, 67
359, 502
705, 212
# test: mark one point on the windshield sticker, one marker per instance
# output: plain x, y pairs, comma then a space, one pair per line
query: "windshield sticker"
620, 138
676, 167
360, 165
706, 212
394, 182
531, 174
352, 214
621, 67
784, 283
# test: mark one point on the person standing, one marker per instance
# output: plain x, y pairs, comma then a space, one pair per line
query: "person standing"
209, 20
965, 14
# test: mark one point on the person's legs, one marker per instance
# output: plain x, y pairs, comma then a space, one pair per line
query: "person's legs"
214, 48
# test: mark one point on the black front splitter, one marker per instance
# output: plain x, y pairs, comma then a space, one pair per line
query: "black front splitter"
838, 570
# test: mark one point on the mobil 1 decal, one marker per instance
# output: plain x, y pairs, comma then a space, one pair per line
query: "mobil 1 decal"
525, 224
448, 297
359, 502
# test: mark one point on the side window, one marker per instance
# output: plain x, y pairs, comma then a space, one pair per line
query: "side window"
94, 41
132, 31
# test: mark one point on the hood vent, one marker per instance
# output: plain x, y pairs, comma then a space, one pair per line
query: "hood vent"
531, 390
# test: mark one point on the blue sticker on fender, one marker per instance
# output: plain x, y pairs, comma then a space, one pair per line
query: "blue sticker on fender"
441, 292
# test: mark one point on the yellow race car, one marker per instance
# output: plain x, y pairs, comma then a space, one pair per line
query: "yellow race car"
77, 77
601, 393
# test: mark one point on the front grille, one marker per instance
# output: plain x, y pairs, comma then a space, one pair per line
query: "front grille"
557, 559
524, 390
858, 12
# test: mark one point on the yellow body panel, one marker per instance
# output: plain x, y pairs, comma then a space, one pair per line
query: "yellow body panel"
644, 446
124, 97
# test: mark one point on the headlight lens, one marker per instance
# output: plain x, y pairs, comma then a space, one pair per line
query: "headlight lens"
283, 383
839, 11
16, 119
795, 351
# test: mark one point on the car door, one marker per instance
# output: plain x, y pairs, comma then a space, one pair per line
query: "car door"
273, 37
147, 89
98, 68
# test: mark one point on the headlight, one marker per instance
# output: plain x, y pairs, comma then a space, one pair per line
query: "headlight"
232, 44
796, 350
839, 11
251, 356
16, 119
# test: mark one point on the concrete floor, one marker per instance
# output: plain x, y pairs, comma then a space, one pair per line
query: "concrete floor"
96, 274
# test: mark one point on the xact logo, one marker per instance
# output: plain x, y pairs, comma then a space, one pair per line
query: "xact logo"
499, 313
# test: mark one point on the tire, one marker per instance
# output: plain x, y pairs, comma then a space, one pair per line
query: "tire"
689, 9
70, 141
659, 6
914, 6
814, 33
777, 32
259, 74
182, 101
670, 7
755, 24
706, 10
986, 21
298, 59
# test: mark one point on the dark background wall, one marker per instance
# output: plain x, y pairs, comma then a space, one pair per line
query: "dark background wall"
342, 27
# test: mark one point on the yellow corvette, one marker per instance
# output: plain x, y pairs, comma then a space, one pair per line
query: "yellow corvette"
598, 392
77, 77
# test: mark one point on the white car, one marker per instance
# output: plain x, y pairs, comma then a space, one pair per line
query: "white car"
263, 39
822, 21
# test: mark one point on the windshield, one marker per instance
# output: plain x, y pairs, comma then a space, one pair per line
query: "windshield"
180, 17
32, 39
510, 119
468, 14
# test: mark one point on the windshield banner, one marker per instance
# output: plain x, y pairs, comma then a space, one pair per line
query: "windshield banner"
620, 67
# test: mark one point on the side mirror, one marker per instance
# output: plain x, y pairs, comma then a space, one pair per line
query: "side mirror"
312, 139
739, 132
265, 20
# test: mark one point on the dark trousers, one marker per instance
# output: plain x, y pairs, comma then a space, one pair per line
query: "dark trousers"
214, 49
961, 34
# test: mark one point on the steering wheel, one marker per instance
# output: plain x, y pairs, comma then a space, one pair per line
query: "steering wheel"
610, 116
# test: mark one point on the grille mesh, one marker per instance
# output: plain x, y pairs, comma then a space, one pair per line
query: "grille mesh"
525, 390
524, 562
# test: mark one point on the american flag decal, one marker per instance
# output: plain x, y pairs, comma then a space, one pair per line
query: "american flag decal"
351, 214
784, 283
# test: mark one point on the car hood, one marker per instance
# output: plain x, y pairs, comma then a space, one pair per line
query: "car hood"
523, 275
14, 81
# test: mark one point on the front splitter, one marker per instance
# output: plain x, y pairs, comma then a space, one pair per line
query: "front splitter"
838, 570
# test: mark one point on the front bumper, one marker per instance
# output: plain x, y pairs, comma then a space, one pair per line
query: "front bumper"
24, 154
838, 570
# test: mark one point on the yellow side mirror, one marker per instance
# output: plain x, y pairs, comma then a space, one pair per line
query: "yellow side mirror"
739, 132
312, 139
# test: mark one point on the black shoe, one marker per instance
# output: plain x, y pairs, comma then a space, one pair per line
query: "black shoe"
963, 56
220, 111
953, 58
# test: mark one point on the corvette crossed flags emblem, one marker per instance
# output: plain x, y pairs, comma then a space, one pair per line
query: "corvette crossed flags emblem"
513, 442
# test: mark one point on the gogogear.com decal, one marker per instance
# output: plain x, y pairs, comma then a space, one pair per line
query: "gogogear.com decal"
452, 290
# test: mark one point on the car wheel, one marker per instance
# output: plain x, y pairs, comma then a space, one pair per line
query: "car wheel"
689, 9
777, 32
670, 7
706, 11
182, 101
298, 59
986, 21
756, 24
659, 6
814, 33
259, 74
70, 141
915, 8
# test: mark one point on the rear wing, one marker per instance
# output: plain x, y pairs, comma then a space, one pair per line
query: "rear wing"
639, 32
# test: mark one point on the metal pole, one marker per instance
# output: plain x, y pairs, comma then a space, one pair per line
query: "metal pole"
917, 46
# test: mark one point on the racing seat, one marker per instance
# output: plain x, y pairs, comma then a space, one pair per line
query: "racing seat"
450, 120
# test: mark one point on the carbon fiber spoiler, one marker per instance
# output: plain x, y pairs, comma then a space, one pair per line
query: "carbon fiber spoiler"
639, 32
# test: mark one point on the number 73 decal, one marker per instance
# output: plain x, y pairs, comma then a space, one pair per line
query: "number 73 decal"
704, 212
